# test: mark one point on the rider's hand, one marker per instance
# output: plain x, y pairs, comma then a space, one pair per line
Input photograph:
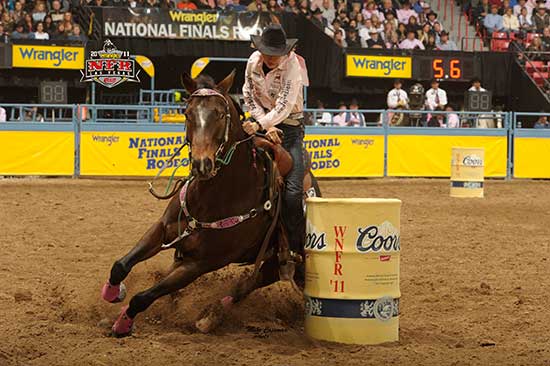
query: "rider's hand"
251, 127
274, 135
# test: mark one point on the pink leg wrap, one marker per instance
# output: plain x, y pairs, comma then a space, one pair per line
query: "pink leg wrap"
123, 325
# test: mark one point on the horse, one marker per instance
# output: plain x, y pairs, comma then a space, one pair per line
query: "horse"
226, 212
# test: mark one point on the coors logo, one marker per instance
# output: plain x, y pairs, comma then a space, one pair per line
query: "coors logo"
315, 240
472, 160
378, 238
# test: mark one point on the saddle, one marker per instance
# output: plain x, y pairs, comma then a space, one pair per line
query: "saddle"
281, 157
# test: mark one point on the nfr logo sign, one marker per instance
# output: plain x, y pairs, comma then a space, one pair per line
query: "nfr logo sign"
110, 67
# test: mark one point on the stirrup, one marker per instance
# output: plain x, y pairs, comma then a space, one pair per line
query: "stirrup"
287, 266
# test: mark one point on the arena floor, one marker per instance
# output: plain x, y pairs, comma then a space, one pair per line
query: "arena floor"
475, 282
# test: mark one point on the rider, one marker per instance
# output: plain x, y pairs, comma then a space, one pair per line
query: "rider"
273, 93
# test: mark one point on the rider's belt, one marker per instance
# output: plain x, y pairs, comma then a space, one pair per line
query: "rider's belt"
295, 119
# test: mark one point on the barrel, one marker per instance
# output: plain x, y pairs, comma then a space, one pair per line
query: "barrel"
467, 171
352, 270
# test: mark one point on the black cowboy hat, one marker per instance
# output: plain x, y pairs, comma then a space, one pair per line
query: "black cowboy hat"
273, 41
476, 79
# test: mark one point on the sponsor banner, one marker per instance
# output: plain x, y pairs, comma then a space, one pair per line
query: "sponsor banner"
430, 156
531, 157
36, 153
47, 57
182, 24
144, 153
368, 66
131, 153
346, 155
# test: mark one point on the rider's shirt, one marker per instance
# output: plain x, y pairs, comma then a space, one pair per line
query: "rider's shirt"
273, 97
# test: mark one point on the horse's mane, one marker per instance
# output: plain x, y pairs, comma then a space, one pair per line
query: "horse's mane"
207, 81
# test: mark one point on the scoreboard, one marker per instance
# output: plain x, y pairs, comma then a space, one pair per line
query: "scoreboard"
444, 65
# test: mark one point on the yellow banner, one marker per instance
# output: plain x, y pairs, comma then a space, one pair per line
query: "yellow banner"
36, 153
378, 66
531, 157
48, 57
430, 156
346, 155
131, 153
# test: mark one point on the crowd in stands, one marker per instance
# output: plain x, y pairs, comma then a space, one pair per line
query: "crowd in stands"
40, 19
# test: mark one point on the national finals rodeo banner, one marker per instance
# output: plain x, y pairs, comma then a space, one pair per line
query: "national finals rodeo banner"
144, 153
181, 24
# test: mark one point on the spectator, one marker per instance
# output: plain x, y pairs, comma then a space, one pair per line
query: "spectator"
437, 119
482, 11
4, 36
387, 8
256, 5
390, 18
39, 12
148, 4
326, 117
411, 42
522, 4
375, 41
339, 38
27, 7
402, 31
340, 118
187, 5
436, 98
476, 85
370, 10
445, 44
355, 118
509, 21
353, 40
432, 18
221, 5
8, 22
536, 50
19, 32
376, 24
431, 45
493, 21
59, 33
397, 97
236, 6
437, 29
164, 4
542, 122
77, 35
291, 7
541, 19
18, 13
393, 44
327, 8
452, 118
414, 26
425, 33
525, 21
546, 38
388, 32
364, 31
40, 34
2, 114
318, 19
406, 13
56, 13
343, 18
336, 28
28, 23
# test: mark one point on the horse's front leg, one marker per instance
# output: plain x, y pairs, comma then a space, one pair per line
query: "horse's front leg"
148, 246
213, 315
184, 272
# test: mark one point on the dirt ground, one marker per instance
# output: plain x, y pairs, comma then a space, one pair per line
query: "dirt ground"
474, 281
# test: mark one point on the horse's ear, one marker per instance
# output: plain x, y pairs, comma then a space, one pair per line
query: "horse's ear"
225, 85
188, 83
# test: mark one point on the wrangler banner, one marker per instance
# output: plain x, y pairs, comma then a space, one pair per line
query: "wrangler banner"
181, 24
144, 153
36, 153
48, 57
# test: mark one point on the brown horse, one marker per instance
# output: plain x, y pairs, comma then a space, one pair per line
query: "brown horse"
221, 215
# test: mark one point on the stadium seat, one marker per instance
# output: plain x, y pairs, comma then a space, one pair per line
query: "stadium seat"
529, 38
499, 35
534, 66
499, 45
539, 77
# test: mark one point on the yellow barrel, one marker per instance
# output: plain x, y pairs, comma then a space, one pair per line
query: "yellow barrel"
352, 270
467, 171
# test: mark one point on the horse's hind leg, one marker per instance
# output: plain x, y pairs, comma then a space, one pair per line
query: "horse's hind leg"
148, 246
213, 315
183, 274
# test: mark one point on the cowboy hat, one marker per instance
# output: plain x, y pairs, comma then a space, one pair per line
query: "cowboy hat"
273, 41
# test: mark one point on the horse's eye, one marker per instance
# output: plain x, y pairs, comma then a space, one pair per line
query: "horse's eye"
222, 115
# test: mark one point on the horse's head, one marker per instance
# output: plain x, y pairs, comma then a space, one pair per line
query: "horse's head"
208, 123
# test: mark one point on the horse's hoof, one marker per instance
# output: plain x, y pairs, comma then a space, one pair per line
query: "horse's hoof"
113, 293
213, 316
124, 324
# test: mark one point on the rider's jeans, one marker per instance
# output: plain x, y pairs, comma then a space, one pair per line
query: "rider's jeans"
293, 214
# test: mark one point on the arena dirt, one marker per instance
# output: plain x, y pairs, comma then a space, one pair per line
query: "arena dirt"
475, 282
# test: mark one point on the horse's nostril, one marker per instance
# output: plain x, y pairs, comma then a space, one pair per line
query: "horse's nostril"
202, 166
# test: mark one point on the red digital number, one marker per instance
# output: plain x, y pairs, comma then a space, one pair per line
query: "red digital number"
437, 66
455, 70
